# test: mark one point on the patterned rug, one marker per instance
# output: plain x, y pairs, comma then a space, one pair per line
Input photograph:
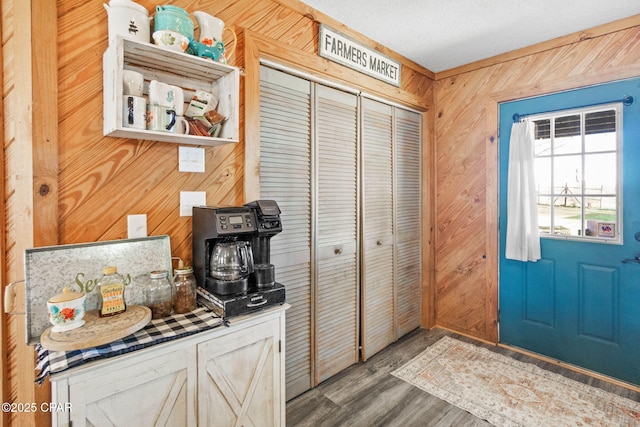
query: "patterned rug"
507, 392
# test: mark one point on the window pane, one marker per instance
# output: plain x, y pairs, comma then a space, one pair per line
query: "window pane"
567, 176
568, 218
600, 142
544, 215
542, 138
600, 217
567, 137
577, 179
600, 173
542, 173
600, 131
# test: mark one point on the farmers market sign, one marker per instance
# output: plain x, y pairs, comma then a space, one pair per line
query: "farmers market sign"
343, 50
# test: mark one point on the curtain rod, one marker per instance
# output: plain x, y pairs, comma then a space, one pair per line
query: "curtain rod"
627, 100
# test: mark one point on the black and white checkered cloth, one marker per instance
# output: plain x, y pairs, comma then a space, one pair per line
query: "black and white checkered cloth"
156, 332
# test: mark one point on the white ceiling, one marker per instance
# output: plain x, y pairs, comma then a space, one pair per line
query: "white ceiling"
444, 34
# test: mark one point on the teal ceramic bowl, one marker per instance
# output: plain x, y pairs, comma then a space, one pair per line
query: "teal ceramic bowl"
173, 18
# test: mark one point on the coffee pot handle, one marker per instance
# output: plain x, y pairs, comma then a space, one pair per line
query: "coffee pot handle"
246, 256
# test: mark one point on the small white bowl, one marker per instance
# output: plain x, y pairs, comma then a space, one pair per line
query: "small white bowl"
66, 310
171, 40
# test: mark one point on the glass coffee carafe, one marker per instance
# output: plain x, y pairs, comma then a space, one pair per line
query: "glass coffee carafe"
231, 261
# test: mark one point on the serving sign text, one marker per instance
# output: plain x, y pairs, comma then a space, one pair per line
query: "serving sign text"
340, 48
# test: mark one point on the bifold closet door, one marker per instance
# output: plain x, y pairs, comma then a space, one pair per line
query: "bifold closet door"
336, 231
378, 297
407, 232
285, 176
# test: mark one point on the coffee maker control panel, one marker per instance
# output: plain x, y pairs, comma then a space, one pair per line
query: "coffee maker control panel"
235, 222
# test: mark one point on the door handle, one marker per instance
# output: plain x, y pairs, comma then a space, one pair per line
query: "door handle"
636, 259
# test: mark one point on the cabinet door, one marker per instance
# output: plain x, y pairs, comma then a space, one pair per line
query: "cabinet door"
408, 192
377, 233
239, 378
157, 391
336, 294
285, 176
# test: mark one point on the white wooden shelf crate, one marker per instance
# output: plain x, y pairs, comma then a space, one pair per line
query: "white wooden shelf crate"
187, 71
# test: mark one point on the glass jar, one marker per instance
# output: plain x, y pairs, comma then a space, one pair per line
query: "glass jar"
158, 294
110, 292
185, 283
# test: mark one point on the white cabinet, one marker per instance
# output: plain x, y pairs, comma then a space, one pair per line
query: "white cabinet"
187, 71
226, 376
238, 377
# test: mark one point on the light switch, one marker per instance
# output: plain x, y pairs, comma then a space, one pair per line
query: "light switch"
189, 199
190, 159
137, 226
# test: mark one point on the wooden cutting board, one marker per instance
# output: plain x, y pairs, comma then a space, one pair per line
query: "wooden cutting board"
97, 330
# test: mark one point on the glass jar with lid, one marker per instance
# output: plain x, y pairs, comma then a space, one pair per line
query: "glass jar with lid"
158, 294
185, 283
111, 292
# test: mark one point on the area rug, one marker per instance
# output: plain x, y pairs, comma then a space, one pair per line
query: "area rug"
507, 392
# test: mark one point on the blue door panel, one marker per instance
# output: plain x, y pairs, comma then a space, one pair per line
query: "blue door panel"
540, 292
579, 304
598, 302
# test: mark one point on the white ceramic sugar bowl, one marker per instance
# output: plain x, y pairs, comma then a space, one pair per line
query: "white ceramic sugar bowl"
66, 310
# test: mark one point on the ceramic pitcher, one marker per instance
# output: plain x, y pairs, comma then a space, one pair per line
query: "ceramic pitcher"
127, 19
211, 30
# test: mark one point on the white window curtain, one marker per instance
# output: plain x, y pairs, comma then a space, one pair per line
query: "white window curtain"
523, 237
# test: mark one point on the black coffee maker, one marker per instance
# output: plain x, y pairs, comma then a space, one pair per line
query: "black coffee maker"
222, 238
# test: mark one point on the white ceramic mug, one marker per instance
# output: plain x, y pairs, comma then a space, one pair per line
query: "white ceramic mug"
134, 110
132, 83
161, 118
164, 94
181, 127
178, 100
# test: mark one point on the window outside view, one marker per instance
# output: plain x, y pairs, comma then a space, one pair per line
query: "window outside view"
576, 172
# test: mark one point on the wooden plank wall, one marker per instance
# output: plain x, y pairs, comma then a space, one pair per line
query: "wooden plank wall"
466, 156
102, 180
95, 182
30, 174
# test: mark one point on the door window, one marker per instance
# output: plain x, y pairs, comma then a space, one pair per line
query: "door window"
577, 158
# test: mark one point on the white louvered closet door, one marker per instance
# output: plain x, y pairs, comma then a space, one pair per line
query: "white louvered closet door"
378, 297
285, 176
408, 196
336, 142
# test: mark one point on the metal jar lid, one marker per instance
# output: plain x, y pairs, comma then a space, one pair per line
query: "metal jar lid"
159, 274
109, 270
184, 270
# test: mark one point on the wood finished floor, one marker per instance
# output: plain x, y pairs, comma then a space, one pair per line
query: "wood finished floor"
366, 394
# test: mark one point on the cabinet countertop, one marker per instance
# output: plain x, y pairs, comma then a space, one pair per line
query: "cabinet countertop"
62, 364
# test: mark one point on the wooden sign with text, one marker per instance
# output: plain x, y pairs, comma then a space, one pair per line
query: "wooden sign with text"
343, 50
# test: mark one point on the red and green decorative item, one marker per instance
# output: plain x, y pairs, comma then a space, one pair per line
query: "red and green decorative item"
66, 310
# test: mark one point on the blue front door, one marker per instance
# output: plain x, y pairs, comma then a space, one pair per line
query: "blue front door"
580, 303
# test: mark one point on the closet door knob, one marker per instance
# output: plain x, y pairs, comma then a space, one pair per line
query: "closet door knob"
379, 243
337, 251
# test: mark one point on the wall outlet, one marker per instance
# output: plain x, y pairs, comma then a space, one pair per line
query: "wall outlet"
191, 159
189, 199
137, 226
